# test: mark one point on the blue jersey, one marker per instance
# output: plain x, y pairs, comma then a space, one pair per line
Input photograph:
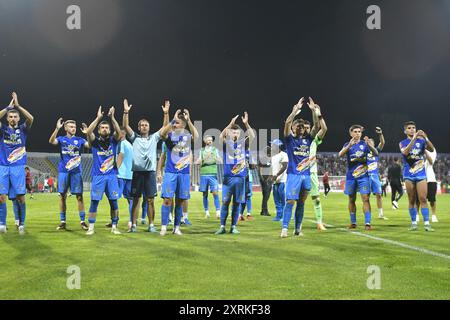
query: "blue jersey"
298, 150
12, 145
414, 162
357, 157
70, 151
234, 164
104, 156
372, 163
178, 157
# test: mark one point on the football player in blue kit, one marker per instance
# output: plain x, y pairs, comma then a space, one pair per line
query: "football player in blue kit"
235, 146
13, 158
104, 169
297, 142
69, 168
357, 178
176, 181
414, 173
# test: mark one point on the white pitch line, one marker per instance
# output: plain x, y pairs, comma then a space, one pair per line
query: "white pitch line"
395, 243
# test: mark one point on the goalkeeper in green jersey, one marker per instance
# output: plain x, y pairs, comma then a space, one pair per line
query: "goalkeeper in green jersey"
318, 132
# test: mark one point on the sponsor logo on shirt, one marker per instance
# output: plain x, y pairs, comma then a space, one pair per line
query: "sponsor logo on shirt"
73, 163
17, 154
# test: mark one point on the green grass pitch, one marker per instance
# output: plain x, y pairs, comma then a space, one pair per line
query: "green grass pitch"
256, 264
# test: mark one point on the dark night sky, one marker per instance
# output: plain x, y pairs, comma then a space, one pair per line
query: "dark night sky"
223, 57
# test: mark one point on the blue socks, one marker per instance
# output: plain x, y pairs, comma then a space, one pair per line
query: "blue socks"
235, 211
3, 214
178, 215
82, 216
216, 201
299, 211
249, 205
165, 214
144, 208
353, 218
425, 214
413, 214
22, 213
224, 214
287, 214
205, 201
16, 210
62, 216
92, 220
367, 217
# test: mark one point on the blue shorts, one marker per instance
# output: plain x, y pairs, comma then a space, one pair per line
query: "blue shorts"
209, 182
72, 180
107, 184
415, 179
124, 188
233, 187
12, 180
375, 184
361, 185
176, 185
296, 184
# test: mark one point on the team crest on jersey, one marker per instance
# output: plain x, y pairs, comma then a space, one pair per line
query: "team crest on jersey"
75, 142
361, 147
417, 145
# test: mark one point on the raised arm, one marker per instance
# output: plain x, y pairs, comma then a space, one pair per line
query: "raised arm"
191, 126
90, 130
379, 131
405, 151
316, 125
224, 132
114, 122
166, 108
28, 117
371, 146
126, 119
4, 111
429, 146
322, 124
249, 132
59, 125
295, 111
345, 149
83, 129
164, 131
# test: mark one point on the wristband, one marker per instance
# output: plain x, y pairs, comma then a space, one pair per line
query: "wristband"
172, 122
125, 113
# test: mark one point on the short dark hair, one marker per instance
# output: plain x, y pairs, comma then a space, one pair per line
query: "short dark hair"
408, 123
298, 121
104, 122
306, 122
13, 111
143, 120
235, 127
182, 119
70, 121
356, 126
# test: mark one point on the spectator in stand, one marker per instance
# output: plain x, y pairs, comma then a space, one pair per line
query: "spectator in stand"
326, 183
